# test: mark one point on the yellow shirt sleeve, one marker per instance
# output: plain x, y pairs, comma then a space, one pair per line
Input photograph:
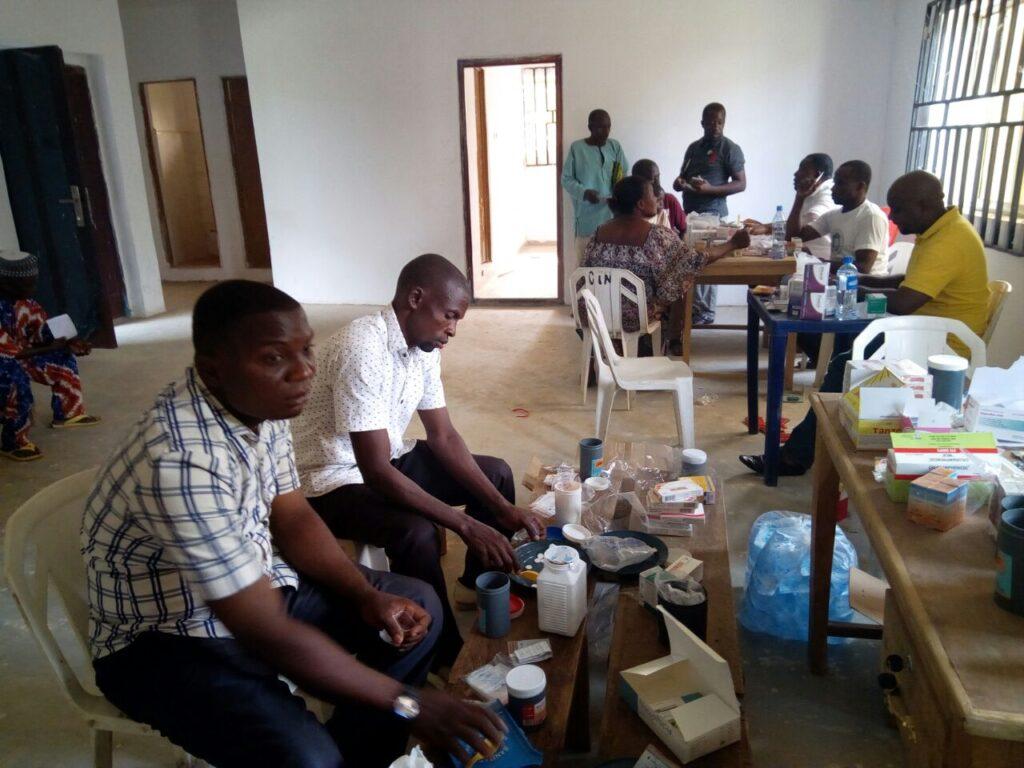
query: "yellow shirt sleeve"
929, 271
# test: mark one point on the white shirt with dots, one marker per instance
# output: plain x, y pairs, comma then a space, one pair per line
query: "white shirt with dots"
367, 379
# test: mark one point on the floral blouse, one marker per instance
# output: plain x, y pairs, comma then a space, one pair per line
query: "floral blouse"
665, 264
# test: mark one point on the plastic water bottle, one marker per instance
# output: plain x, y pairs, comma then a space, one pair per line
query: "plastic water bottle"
846, 285
778, 234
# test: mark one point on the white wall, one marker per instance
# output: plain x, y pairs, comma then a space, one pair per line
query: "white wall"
89, 33
356, 107
178, 39
1006, 344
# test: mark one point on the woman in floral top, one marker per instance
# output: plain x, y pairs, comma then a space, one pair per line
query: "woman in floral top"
653, 253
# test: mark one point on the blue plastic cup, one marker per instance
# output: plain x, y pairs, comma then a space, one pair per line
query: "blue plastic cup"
591, 453
492, 595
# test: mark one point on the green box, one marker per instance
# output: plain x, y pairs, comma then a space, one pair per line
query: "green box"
876, 304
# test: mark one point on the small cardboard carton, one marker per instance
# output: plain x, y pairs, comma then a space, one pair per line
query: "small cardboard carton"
907, 371
995, 403
874, 409
687, 698
938, 500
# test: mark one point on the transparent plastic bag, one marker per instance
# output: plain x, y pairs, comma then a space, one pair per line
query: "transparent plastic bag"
611, 553
777, 596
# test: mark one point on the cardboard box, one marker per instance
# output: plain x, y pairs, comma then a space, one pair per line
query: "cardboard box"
687, 698
995, 403
907, 371
938, 500
1005, 422
873, 410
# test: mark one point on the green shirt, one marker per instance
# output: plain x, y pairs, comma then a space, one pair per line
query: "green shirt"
597, 168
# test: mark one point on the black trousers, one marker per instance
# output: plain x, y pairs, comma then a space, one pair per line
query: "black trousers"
410, 540
220, 702
799, 449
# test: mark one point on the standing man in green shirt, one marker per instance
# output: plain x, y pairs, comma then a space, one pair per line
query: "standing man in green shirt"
592, 168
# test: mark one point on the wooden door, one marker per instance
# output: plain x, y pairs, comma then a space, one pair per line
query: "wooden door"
44, 184
247, 172
94, 192
482, 166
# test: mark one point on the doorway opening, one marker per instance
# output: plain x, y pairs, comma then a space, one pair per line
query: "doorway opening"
177, 154
510, 112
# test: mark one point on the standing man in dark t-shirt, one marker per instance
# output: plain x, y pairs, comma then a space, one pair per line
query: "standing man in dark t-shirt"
713, 169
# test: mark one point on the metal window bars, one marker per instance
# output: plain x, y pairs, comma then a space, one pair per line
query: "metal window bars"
967, 125
540, 119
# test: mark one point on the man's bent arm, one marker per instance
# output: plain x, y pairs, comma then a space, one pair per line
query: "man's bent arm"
256, 616
373, 455
307, 544
881, 282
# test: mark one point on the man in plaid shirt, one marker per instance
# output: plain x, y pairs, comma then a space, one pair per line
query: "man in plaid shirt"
210, 575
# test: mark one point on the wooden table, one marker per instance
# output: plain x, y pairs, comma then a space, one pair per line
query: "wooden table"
739, 269
953, 661
568, 693
780, 329
635, 640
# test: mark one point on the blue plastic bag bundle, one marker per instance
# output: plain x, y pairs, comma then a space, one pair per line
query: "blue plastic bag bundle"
777, 597
515, 751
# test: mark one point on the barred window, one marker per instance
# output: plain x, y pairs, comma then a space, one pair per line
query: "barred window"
539, 113
968, 119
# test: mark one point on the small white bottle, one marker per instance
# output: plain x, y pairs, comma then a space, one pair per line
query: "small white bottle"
562, 592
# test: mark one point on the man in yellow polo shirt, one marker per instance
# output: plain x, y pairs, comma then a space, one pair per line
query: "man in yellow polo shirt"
947, 277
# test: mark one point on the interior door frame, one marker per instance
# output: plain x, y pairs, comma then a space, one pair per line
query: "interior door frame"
155, 171
462, 65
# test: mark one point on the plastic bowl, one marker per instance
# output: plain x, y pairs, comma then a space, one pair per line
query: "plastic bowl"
577, 534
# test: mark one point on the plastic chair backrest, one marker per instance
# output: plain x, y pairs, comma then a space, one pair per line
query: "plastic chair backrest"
43, 549
998, 290
899, 257
916, 337
605, 355
609, 286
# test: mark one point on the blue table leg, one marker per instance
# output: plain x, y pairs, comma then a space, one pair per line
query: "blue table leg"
752, 328
773, 407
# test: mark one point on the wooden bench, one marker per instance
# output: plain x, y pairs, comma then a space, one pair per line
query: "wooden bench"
568, 696
635, 641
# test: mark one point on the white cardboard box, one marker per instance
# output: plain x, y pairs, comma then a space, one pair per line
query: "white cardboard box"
1005, 422
660, 693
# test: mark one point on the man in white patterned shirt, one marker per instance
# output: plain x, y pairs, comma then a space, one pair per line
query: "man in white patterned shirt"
371, 486
209, 575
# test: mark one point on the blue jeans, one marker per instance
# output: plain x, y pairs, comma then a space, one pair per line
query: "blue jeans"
222, 703
799, 449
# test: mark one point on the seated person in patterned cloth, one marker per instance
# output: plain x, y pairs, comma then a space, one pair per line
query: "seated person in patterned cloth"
209, 575
670, 211
653, 253
28, 352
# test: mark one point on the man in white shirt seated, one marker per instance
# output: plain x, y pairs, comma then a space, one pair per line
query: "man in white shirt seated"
860, 226
209, 575
813, 184
371, 486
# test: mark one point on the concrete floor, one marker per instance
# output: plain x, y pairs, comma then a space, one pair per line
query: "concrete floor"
502, 359
529, 273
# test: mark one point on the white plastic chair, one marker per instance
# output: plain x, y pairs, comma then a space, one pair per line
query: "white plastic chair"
998, 291
610, 286
916, 337
616, 372
43, 550
899, 257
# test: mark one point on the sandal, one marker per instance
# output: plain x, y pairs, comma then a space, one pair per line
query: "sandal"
27, 452
82, 420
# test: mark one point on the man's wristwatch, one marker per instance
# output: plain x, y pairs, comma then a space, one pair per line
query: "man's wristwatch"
407, 704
